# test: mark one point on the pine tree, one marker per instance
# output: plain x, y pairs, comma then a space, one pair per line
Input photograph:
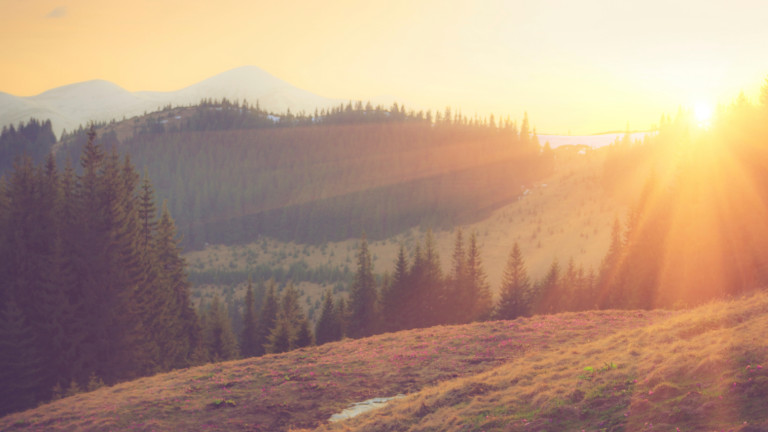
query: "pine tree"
304, 336
608, 278
32, 226
341, 316
250, 323
279, 340
299, 332
147, 213
515, 288
327, 328
74, 346
547, 301
183, 336
479, 291
396, 295
219, 338
20, 361
267, 318
427, 282
458, 291
569, 288
363, 295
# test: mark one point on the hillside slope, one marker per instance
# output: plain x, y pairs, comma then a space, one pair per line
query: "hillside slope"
611, 370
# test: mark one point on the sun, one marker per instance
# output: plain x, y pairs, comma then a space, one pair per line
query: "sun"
703, 113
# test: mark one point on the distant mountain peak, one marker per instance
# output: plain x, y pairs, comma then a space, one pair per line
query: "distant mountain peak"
72, 105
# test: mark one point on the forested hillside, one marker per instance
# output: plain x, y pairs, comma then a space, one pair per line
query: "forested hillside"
92, 286
34, 139
233, 172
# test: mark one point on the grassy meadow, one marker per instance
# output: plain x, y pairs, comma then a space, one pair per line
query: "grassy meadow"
696, 370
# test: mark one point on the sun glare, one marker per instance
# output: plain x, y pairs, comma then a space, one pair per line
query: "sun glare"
703, 113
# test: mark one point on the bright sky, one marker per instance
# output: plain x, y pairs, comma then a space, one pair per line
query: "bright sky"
575, 66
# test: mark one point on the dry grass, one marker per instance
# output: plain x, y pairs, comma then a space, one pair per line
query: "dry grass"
699, 370
305, 387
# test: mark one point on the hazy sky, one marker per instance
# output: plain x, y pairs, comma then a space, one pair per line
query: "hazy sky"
579, 66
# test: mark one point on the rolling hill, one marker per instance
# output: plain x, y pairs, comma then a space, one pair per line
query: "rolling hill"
704, 369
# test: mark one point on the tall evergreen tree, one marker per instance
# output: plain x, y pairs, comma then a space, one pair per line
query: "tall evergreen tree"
250, 325
608, 278
299, 334
341, 315
20, 361
267, 318
396, 295
328, 327
279, 340
363, 295
547, 301
304, 336
477, 284
427, 283
184, 336
515, 288
458, 291
147, 213
219, 338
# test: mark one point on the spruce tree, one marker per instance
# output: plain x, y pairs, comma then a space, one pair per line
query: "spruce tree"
20, 361
608, 279
250, 323
279, 340
183, 336
327, 328
458, 290
304, 336
299, 333
569, 288
219, 338
342, 316
267, 318
396, 295
147, 213
547, 301
479, 291
363, 295
515, 288
427, 284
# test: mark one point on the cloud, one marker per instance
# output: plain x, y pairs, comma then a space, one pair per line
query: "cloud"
57, 13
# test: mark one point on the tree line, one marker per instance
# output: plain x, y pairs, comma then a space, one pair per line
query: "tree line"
232, 172
34, 138
417, 294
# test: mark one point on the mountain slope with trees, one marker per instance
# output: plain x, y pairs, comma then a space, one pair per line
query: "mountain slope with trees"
233, 172
92, 286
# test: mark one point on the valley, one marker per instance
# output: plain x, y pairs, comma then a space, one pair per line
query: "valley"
566, 215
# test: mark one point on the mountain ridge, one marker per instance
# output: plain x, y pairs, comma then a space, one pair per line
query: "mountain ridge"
72, 105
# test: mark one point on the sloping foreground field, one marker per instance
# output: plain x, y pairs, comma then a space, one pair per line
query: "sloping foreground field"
699, 370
